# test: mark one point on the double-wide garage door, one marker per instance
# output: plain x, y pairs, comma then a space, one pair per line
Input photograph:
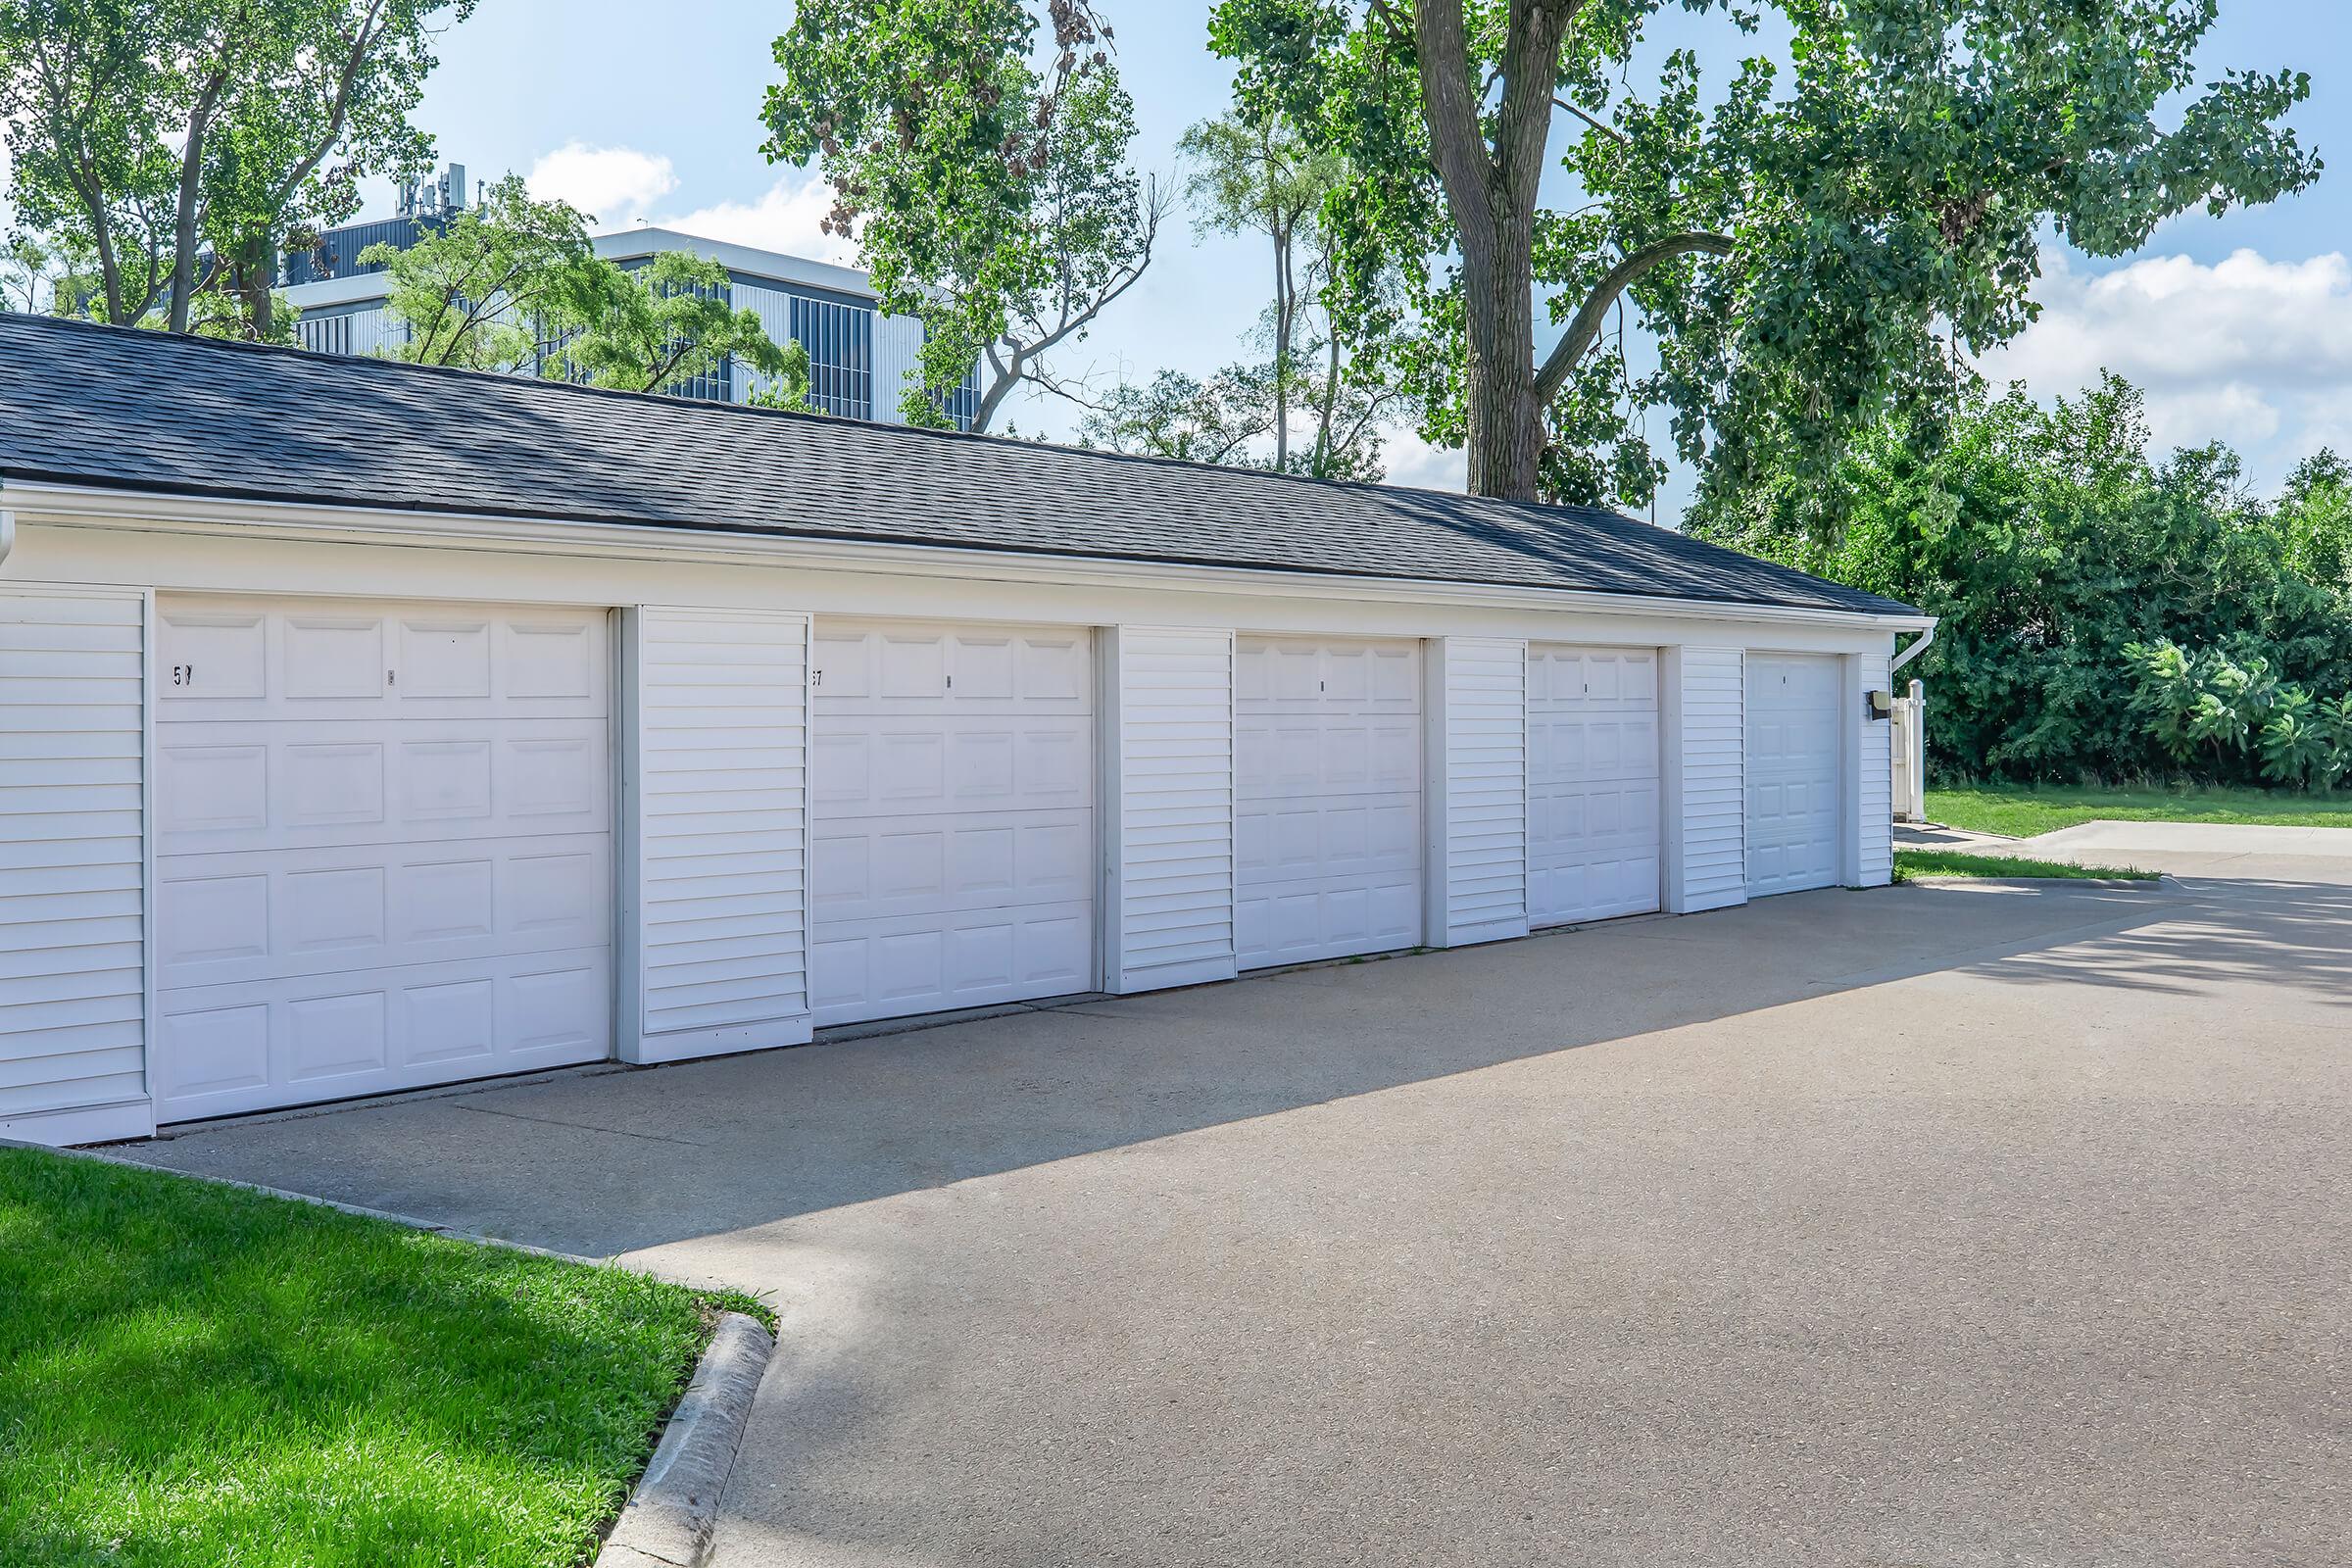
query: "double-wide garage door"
952, 856
383, 851
1327, 829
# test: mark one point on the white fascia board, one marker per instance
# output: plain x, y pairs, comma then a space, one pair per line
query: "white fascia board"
95, 507
632, 244
355, 289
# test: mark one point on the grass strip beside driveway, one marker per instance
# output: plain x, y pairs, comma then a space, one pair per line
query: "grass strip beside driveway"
1913, 863
194, 1374
2023, 811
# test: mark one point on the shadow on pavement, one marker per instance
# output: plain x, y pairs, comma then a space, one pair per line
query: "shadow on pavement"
611, 1162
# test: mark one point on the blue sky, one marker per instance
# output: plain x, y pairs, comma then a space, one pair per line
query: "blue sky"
2240, 327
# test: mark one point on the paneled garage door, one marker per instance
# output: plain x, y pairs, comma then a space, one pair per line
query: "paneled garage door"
1592, 784
951, 861
1327, 762
1792, 730
383, 849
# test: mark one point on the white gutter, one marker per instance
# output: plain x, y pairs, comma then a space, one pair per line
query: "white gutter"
91, 506
1927, 635
8, 534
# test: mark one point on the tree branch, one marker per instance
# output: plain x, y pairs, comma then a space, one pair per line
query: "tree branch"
1585, 329
1595, 121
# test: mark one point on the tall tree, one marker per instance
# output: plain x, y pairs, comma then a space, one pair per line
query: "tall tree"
1255, 175
493, 282
992, 199
91, 95
1258, 176
1809, 254
160, 133
651, 327
317, 93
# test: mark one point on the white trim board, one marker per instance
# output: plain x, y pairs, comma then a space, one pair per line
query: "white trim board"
85, 506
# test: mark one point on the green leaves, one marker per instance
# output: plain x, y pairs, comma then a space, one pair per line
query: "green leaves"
492, 282
670, 321
147, 133
989, 198
1885, 183
2105, 616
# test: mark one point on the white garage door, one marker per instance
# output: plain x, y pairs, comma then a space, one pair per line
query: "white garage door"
1592, 783
951, 861
1792, 730
1327, 762
383, 851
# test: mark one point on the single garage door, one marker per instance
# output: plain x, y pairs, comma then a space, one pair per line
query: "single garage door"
383, 848
951, 857
1592, 783
1327, 762
1792, 730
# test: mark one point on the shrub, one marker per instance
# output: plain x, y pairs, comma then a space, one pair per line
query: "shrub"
2206, 706
2051, 545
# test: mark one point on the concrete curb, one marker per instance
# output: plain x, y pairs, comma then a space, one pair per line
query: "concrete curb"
670, 1518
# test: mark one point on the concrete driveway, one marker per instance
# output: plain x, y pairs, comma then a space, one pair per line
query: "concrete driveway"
1926, 1228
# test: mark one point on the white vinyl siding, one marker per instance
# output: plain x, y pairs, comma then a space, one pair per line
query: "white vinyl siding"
1876, 864
1327, 815
1173, 803
720, 792
1713, 791
953, 858
71, 863
1594, 794
1482, 812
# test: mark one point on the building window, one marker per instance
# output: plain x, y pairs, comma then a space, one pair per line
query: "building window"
840, 340
963, 404
324, 334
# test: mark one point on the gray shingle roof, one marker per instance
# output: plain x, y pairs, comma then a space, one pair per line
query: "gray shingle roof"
117, 407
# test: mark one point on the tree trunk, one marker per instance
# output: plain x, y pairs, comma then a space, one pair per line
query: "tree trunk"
1505, 425
1008, 376
261, 305
1491, 194
109, 268
1282, 348
183, 227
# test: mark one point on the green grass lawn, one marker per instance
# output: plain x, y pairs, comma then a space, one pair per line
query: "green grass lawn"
192, 1374
1910, 864
2022, 812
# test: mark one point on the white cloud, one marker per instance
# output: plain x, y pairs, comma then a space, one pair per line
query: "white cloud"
784, 219
613, 184
2246, 349
1416, 465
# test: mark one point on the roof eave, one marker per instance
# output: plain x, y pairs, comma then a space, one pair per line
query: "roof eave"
115, 505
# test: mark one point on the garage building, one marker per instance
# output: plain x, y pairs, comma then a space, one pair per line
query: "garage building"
367, 726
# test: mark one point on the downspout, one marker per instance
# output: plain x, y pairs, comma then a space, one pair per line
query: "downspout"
1900, 659
8, 534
